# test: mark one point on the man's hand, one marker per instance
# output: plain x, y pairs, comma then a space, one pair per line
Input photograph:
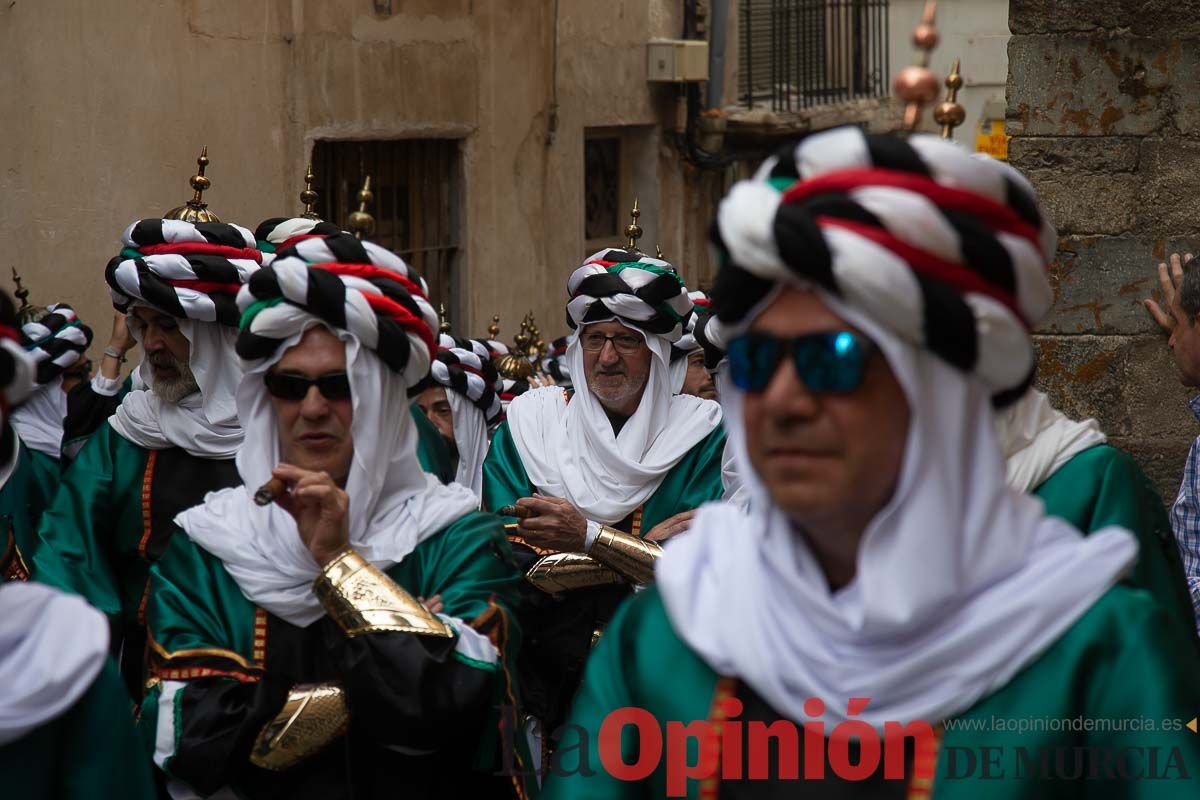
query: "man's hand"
555, 525
433, 605
1169, 280
120, 339
320, 508
671, 526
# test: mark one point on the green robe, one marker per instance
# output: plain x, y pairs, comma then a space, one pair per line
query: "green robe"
1104, 486
432, 451
90, 752
695, 480
226, 666
23, 498
1124, 659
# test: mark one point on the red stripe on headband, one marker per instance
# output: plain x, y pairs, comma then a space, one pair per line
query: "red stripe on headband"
206, 287
369, 271
996, 216
299, 237
9, 332
402, 316
925, 263
464, 367
201, 248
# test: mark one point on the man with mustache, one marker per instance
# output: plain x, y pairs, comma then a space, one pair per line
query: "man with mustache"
291, 656
605, 474
166, 446
689, 374
461, 399
876, 294
65, 731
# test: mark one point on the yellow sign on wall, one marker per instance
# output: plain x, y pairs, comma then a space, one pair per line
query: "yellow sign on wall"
990, 138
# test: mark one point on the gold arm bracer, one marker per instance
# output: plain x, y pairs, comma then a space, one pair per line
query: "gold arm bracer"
312, 716
361, 599
566, 572
629, 555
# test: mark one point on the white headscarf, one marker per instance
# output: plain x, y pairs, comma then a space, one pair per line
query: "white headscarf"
39, 421
569, 450
471, 439
52, 647
1038, 439
394, 506
961, 582
205, 423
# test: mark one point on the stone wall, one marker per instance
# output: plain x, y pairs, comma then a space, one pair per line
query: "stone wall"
1104, 111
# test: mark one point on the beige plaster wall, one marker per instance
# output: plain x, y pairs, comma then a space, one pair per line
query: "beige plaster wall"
104, 105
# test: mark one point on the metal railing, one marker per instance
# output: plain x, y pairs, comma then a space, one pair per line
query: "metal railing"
796, 54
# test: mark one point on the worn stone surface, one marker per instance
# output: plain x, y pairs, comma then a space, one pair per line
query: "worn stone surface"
1097, 155
1161, 459
1084, 377
1141, 17
1091, 85
1100, 281
1170, 201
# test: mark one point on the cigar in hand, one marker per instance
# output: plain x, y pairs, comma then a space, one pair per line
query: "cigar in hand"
520, 512
267, 493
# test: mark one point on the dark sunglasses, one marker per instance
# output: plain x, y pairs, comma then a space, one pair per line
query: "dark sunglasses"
295, 387
832, 361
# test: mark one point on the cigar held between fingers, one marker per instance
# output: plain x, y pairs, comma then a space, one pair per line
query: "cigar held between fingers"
267, 493
520, 512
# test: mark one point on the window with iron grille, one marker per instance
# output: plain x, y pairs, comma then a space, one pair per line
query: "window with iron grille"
417, 187
795, 54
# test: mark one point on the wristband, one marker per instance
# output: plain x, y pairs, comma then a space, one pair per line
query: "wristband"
112, 352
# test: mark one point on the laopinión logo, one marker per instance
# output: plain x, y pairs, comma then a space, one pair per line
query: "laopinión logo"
852, 751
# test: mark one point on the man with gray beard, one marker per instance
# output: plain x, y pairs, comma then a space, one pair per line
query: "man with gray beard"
166, 446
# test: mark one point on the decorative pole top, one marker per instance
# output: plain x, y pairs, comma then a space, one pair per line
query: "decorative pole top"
633, 231
494, 328
196, 210
26, 312
917, 86
950, 113
309, 196
360, 221
443, 325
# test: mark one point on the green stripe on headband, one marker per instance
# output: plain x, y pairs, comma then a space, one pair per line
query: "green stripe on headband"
130, 253
72, 324
781, 183
265, 246
251, 312
617, 269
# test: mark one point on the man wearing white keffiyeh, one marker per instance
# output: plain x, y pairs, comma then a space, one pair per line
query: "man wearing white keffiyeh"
876, 293
603, 475
167, 445
65, 731
291, 652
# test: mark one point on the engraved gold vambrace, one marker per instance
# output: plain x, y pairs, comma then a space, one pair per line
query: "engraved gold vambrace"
313, 716
361, 599
629, 555
566, 572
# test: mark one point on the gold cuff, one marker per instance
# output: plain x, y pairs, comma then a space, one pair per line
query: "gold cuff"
313, 716
566, 572
632, 557
361, 599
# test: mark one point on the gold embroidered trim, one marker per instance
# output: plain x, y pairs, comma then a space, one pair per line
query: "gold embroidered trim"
627, 554
198, 652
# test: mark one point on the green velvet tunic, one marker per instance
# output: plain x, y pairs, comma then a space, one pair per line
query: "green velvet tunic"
23, 498
1124, 660
1104, 486
226, 665
90, 752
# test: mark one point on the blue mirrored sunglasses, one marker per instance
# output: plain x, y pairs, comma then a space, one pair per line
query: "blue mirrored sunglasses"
830, 361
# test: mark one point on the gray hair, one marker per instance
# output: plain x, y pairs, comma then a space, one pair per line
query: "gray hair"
1189, 290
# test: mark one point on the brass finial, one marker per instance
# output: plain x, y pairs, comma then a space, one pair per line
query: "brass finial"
494, 328
26, 312
633, 231
196, 210
360, 221
658, 252
521, 340
950, 113
917, 86
443, 325
309, 196
536, 344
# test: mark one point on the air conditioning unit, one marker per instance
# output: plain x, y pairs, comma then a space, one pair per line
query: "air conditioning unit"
676, 60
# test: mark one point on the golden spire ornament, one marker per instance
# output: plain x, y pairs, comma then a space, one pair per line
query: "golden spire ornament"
633, 231
950, 113
309, 196
362, 223
27, 312
443, 325
536, 344
494, 328
515, 364
196, 210
917, 86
